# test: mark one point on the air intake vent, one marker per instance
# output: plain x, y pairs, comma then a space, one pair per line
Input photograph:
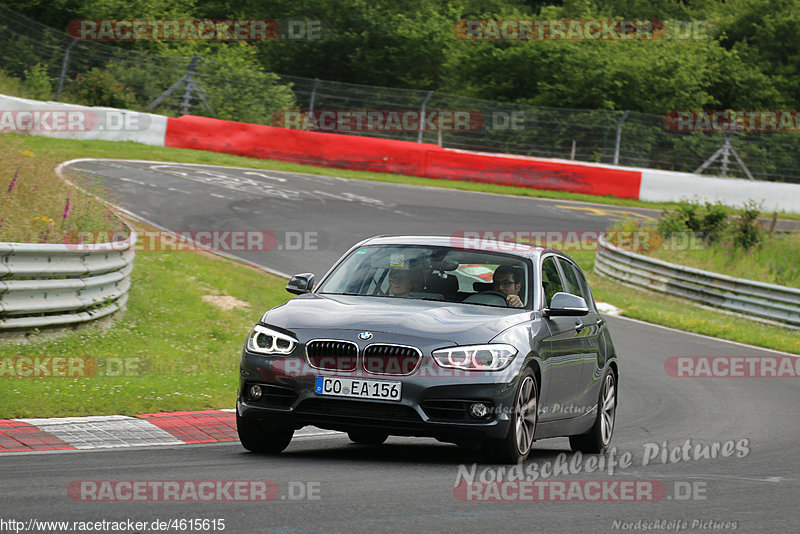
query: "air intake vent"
332, 355
383, 359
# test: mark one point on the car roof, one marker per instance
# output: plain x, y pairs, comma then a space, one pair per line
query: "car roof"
525, 250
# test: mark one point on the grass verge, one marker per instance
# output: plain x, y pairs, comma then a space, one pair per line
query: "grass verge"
37, 207
59, 150
776, 260
664, 310
173, 348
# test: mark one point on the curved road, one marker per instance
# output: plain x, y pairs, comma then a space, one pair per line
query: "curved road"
750, 485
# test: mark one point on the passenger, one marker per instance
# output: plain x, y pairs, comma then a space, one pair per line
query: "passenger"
505, 279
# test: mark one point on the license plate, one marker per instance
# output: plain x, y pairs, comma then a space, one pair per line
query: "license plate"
357, 388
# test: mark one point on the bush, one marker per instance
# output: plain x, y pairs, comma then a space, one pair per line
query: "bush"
37, 83
708, 221
99, 87
747, 232
714, 222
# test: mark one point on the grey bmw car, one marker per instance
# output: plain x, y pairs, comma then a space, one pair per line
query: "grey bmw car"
486, 344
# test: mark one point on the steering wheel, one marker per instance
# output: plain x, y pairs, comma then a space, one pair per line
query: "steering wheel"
491, 293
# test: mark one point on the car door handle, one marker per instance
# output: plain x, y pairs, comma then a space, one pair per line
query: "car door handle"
579, 326
600, 322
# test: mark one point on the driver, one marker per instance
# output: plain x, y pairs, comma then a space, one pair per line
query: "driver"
505, 280
403, 282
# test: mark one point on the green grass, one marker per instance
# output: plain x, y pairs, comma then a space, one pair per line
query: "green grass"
661, 309
775, 261
181, 352
37, 207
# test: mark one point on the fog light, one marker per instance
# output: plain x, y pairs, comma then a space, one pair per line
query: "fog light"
479, 410
255, 392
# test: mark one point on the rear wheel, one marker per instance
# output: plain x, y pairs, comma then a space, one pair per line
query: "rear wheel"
367, 437
517, 445
262, 438
598, 438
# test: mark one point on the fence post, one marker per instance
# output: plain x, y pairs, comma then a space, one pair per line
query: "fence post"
313, 96
422, 116
64, 69
724, 152
619, 136
190, 87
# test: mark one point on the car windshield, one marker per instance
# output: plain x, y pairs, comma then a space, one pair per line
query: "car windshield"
432, 273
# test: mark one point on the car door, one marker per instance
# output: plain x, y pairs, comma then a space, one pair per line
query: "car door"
564, 350
587, 333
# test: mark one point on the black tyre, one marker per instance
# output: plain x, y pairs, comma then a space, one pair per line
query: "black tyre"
598, 438
517, 445
261, 438
367, 437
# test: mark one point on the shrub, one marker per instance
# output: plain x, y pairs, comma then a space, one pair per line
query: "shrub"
708, 221
99, 87
747, 232
37, 84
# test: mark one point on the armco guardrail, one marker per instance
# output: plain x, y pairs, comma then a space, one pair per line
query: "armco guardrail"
51, 285
756, 299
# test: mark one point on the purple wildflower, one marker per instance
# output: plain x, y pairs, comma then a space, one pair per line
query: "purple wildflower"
66, 210
13, 181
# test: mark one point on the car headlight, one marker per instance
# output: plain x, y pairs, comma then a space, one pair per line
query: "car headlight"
491, 357
268, 341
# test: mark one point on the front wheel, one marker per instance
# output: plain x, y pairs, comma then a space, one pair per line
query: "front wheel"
598, 438
258, 437
517, 445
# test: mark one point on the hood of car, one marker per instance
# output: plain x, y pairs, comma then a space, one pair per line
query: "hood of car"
445, 321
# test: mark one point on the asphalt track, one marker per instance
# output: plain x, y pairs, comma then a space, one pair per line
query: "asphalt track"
408, 484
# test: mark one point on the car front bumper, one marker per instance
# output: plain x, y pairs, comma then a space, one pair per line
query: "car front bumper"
434, 402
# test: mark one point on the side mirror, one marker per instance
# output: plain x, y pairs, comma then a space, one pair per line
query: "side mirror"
301, 283
566, 304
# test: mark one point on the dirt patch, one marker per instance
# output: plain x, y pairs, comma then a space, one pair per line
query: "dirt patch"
225, 302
